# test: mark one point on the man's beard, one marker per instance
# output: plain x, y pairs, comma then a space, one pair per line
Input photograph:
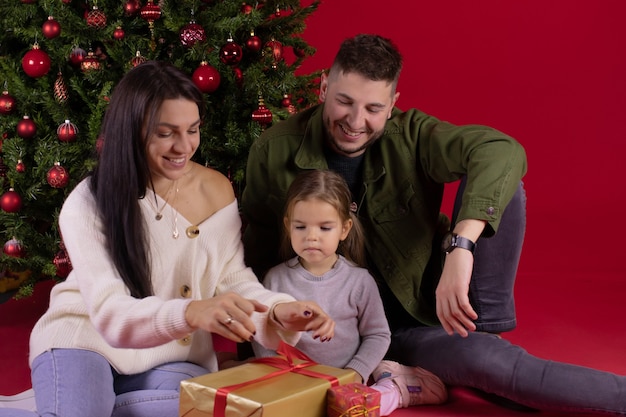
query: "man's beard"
337, 147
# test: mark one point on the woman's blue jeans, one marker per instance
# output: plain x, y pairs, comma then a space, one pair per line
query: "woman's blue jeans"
80, 383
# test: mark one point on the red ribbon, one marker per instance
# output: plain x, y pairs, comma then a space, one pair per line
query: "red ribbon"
284, 365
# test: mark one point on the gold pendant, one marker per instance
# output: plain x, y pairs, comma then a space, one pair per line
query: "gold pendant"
192, 232
158, 216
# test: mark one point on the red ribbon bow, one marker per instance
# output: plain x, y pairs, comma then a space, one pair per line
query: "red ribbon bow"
284, 366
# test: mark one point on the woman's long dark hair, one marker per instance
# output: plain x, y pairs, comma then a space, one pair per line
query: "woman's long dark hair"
122, 175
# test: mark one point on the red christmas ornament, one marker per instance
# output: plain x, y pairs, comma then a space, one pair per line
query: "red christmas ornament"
246, 8
274, 50
253, 43
138, 59
60, 89
132, 7
238, 76
11, 202
7, 103
14, 248
262, 114
26, 128
90, 63
286, 103
62, 263
67, 131
36, 63
57, 176
192, 33
150, 12
96, 18
230, 53
77, 56
206, 78
118, 33
20, 166
51, 28
299, 52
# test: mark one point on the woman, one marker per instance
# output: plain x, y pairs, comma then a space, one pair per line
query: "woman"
154, 241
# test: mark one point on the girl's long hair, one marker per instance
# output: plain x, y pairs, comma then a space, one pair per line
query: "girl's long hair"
122, 175
330, 187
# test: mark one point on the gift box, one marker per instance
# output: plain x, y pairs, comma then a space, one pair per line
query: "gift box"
353, 400
288, 385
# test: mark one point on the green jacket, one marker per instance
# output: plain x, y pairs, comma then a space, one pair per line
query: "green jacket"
404, 174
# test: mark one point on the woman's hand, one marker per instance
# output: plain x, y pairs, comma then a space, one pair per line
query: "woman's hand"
227, 315
305, 316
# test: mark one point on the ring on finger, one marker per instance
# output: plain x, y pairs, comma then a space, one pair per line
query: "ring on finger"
229, 321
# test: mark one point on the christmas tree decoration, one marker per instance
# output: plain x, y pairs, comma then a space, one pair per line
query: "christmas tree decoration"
11, 201
191, 33
51, 28
60, 89
287, 104
231, 53
262, 115
65, 82
96, 18
90, 63
36, 63
206, 78
138, 59
274, 51
77, 56
118, 33
13, 247
67, 131
26, 128
57, 176
253, 43
62, 263
132, 7
7, 103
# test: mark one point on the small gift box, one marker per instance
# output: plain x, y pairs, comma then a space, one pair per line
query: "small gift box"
353, 400
287, 385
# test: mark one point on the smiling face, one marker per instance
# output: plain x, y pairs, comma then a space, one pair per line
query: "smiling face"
315, 229
355, 110
175, 139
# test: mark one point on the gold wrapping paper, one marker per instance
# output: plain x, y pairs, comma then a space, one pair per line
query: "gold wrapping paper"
282, 394
353, 400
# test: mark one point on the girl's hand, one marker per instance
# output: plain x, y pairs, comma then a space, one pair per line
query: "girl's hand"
305, 316
227, 315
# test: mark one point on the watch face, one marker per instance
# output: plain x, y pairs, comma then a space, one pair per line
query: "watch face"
446, 244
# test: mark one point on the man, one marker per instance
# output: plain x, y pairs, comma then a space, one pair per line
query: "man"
436, 278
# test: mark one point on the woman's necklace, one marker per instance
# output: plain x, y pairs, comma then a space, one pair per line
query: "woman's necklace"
159, 212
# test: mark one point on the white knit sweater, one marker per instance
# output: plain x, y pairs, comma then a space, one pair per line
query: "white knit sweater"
92, 308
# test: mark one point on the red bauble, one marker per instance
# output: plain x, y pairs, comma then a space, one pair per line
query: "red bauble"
51, 28
57, 176
253, 43
26, 128
286, 103
230, 53
14, 248
96, 18
273, 49
62, 263
60, 89
36, 63
238, 76
206, 78
132, 7
150, 12
77, 56
20, 166
118, 33
90, 63
262, 114
67, 131
299, 52
11, 202
138, 59
246, 8
7, 103
192, 33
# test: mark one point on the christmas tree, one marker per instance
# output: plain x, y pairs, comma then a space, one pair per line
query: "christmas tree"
61, 59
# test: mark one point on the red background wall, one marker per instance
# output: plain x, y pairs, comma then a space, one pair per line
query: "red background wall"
550, 73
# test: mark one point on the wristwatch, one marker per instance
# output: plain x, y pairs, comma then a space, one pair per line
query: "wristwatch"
452, 241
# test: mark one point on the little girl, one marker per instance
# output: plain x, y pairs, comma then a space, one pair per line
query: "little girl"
325, 234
